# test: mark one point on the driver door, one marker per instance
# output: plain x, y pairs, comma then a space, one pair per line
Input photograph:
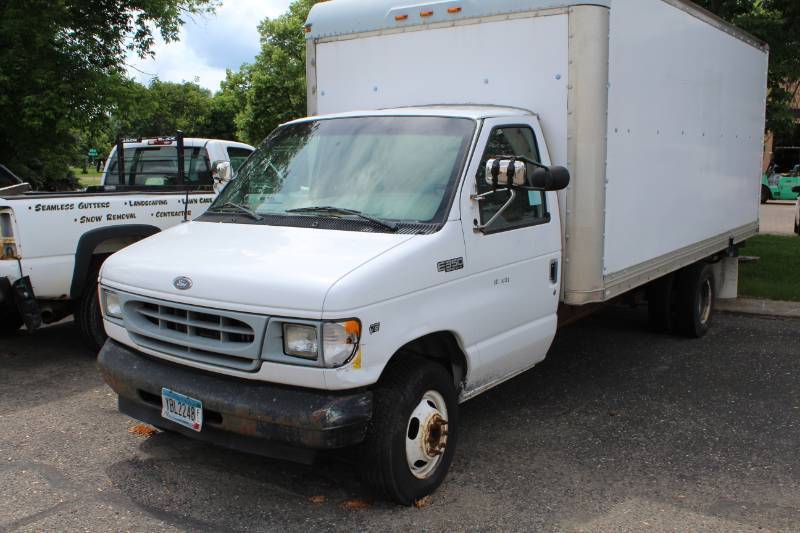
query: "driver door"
514, 263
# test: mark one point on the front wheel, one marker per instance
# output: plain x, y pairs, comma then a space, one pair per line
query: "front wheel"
412, 436
765, 194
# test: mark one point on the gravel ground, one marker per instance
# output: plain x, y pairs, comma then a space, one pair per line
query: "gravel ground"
619, 430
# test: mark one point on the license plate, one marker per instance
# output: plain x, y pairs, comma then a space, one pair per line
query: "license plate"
182, 409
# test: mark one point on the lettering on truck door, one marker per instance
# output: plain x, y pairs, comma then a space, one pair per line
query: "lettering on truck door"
514, 263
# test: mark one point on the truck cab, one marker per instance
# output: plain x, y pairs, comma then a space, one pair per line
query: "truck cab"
323, 267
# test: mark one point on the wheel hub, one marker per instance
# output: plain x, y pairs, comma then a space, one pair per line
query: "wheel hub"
426, 435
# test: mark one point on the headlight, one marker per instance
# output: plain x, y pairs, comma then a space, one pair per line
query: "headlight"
300, 341
111, 304
340, 341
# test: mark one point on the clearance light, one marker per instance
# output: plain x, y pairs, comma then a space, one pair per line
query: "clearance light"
453, 10
400, 18
426, 13
308, 28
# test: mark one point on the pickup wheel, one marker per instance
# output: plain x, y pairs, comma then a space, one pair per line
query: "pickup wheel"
765, 194
10, 323
412, 436
696, 299
89, 316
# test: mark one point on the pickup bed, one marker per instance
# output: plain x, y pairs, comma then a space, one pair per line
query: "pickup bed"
54, 243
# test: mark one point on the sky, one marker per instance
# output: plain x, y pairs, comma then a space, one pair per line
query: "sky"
209, 44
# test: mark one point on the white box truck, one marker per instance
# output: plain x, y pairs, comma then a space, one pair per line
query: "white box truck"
418, 241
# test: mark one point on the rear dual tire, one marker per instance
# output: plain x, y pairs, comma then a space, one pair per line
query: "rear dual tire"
683, 302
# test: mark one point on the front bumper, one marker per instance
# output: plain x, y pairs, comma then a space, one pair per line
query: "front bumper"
254, 417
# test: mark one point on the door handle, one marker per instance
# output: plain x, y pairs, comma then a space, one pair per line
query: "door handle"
554, 271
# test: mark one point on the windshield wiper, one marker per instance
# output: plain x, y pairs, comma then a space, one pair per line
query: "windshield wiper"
246, 210
342, 211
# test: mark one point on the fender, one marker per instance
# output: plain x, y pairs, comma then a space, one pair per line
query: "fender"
89, 242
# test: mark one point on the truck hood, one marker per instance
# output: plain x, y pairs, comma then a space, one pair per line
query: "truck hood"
271, 269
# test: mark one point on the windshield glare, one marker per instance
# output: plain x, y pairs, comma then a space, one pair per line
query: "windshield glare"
392, 168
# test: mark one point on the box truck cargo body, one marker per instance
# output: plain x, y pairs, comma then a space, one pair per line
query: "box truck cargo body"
474, 173
656, 107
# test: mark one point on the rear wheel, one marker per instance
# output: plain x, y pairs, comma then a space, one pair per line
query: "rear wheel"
696, 299
89, 316
412, 436
660, 304
765, 194
10, 322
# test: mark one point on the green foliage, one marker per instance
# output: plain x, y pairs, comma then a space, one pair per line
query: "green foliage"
275, 83
61, 62
775, 275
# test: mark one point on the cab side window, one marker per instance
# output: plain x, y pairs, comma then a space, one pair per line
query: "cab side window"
529, 207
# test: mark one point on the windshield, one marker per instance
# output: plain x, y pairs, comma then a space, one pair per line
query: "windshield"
400, 169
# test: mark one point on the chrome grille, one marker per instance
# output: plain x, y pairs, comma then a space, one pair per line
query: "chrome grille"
219, 338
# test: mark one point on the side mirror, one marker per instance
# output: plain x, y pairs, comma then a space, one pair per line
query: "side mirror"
502, 173
222, 173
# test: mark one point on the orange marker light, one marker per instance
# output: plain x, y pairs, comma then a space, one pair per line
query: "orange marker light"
426, 13
453, 10
400, 18
308, 28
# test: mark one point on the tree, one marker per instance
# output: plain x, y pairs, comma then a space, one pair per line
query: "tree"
62, 65
276, 81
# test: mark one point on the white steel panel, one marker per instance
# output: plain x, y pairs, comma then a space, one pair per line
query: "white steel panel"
685, 133
519, 63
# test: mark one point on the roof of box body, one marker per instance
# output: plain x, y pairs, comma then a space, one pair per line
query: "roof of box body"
344, 17
347, 17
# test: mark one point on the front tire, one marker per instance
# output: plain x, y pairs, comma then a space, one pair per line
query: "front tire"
696, 300
412, 437
89, 317
765, 194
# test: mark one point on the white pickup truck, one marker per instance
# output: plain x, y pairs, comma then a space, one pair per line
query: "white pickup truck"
386, 264
53, 243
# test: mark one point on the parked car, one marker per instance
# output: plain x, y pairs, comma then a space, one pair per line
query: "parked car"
369, 270
776, 186
53, 244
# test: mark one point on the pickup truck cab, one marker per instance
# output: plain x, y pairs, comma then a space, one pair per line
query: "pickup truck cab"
54, 243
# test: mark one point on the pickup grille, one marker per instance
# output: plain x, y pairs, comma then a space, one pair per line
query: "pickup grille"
225, 339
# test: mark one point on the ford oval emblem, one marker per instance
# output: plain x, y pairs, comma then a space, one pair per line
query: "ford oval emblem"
182, 283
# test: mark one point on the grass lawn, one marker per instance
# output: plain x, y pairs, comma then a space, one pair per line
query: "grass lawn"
87, 180
776, 276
